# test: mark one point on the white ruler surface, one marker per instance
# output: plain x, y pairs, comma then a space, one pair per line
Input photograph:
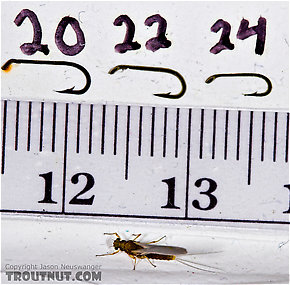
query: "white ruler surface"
145, 162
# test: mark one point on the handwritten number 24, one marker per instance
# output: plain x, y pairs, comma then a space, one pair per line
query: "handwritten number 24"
243, 33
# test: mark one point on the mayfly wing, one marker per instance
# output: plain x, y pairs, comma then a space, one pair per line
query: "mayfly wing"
160, 249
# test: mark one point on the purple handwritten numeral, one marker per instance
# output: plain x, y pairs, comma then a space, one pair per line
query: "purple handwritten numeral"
160, 41
31, 48
128, 43
224, 42
62, 46
260, 30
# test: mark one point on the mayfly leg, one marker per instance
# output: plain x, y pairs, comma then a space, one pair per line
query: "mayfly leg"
136, 236
135, 261
108, 253
113, 234
150, 262
155, 241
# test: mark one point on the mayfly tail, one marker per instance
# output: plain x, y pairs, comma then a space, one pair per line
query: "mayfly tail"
189, 263
200, 253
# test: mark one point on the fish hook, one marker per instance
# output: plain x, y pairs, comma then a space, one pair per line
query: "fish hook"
269, 89
7, 65
156, 69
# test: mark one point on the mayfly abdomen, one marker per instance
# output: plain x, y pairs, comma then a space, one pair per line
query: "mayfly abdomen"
160, 256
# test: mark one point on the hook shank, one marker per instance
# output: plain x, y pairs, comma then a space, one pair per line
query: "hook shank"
49, 62
269, 84
156, 69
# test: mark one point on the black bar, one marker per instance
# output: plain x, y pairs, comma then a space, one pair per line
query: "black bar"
78, 129
226, 135
41, 127
177, 132
263, 136
152, 132
16, 125
29, 126
127, 143
4, 137
287, 138
144, 217
91, 127
201, 133
164, 132
116, 130
53, 127
275, 137
103, 130
65, 155
250, 148
140, 131
238, 136
213, 134
188, 162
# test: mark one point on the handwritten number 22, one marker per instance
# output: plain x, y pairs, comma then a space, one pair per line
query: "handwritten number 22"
153, 44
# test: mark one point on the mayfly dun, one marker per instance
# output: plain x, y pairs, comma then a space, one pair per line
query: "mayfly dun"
149, 251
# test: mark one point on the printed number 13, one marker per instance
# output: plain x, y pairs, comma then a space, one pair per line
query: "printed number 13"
195, 203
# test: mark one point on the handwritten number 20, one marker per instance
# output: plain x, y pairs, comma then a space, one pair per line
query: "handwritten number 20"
32, 48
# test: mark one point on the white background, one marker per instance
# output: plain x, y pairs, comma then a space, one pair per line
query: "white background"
248, 255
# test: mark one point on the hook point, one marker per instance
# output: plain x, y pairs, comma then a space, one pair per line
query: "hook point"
69, 90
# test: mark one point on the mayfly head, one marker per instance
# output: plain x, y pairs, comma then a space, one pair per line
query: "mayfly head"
116, 243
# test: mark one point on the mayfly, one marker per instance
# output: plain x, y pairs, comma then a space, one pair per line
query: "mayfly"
149, 251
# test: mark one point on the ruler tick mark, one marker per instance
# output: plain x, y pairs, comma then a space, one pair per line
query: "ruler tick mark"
4, 136
201, 133
164, 132
213, 134
41, 127
53, 127
78, 129
152, 132
16, 126
116, 130
91, 127
140, 131
177, 132
103, 130
275, 137
127, 143
238, 135
65, 155
263, 136
226, 135
250, 148
287, 138
29, 126
188, 163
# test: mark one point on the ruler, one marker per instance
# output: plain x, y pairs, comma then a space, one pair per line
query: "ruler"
146, 162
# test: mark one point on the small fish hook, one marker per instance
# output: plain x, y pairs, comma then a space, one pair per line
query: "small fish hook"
156, 69
7, 65
269, 89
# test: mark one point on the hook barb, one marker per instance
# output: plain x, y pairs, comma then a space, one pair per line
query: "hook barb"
167, 95
71, 90
262, 94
